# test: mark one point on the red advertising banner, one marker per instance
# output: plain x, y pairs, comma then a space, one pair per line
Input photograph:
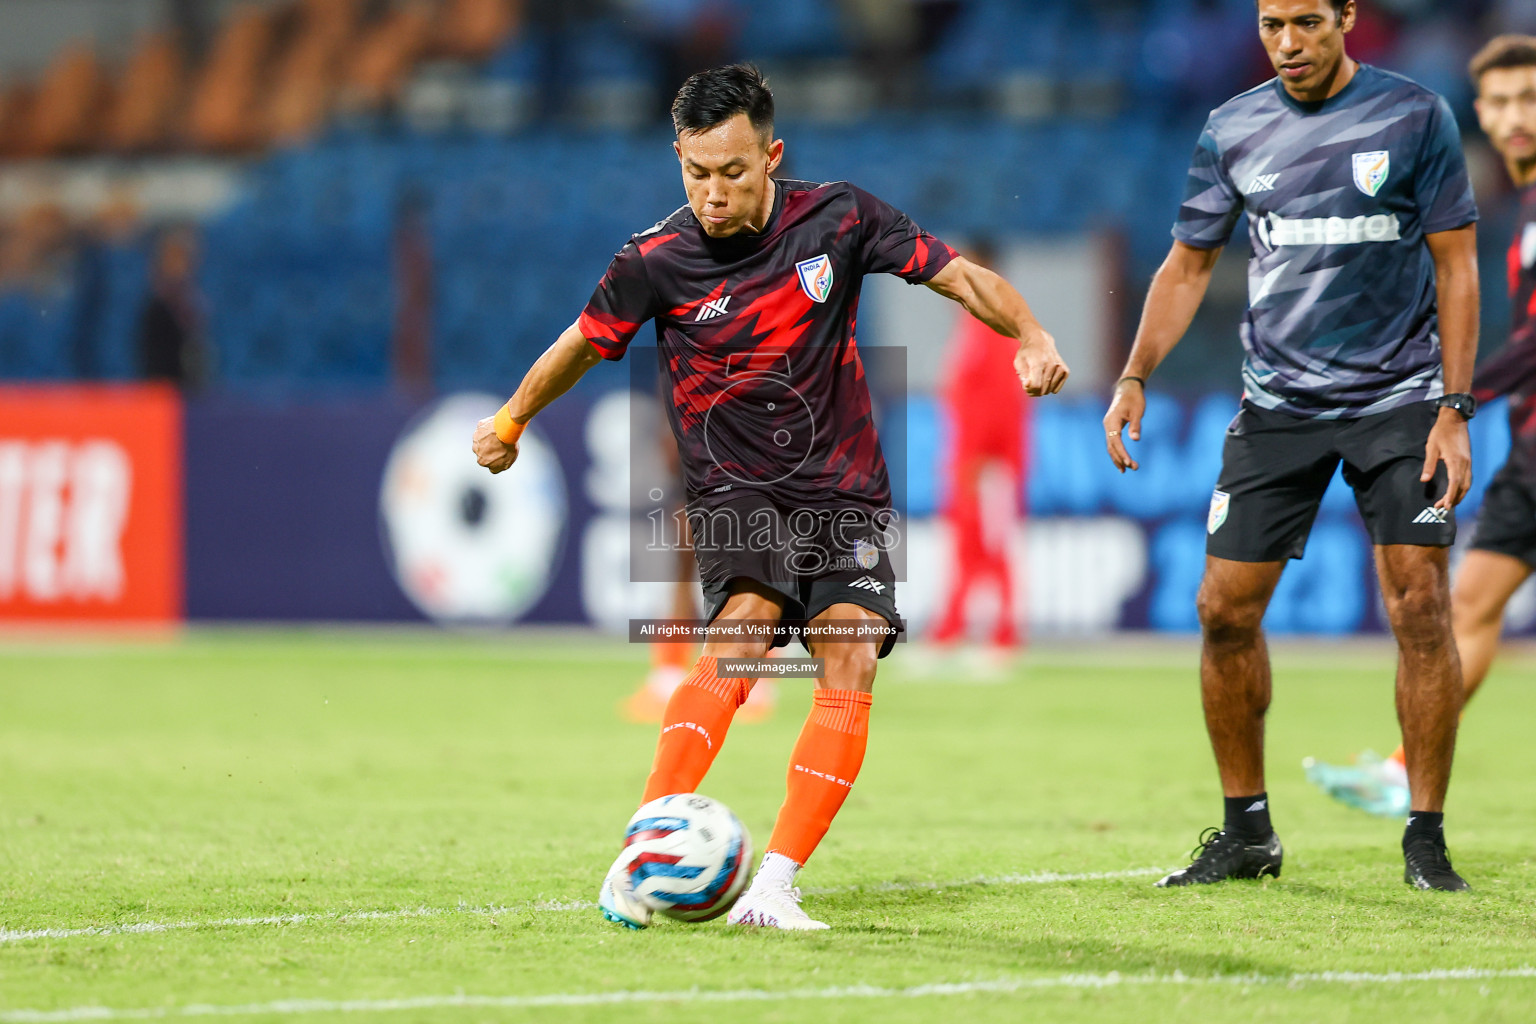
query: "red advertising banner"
90, 503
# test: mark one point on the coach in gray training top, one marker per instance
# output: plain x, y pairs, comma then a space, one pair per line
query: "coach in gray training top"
1360, 336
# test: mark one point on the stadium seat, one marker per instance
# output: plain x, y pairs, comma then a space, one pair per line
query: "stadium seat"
67, 113
793, 30
225, 101
144, 114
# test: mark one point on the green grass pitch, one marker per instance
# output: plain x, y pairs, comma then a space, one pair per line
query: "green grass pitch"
286, 826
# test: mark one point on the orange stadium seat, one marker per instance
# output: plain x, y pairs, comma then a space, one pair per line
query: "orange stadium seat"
15, 116
309, 70
387, 52
224, 115
149, 97
473, 29
72, 97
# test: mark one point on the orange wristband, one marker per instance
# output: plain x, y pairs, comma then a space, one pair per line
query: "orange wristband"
508, 429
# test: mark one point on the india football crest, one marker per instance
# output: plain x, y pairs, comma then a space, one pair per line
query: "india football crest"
1221, 501
1371, 170
816, 277
866, 554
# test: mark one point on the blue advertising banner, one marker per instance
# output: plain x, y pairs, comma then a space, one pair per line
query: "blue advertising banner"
373, 509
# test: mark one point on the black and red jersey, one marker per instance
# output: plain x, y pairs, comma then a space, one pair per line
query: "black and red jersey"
756, 340
1513, 371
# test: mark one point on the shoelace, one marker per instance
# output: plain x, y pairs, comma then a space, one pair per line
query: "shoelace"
1208, 839
1439, 854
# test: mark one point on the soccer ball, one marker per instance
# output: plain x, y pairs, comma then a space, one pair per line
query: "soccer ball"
690, 856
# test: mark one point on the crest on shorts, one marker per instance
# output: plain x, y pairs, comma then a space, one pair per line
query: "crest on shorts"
866, 554
816, 277
1221, 501
1371, 170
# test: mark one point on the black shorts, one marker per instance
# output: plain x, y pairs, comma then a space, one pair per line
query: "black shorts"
1506, 522
1275, 468
815, 558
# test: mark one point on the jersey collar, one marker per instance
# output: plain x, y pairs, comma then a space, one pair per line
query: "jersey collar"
1318, 106
743, 241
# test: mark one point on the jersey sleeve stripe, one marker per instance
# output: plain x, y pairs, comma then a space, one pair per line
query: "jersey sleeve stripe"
610, 338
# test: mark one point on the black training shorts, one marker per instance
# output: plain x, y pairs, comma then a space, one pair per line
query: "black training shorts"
814, 557
1276, 466
1506, 522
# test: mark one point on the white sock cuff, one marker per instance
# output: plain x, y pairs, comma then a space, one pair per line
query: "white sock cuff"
776, 868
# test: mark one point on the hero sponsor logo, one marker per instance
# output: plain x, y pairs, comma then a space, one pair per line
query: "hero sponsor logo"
1276, 231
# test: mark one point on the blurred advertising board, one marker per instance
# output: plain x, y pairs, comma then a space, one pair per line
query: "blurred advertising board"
90, 503
372, 509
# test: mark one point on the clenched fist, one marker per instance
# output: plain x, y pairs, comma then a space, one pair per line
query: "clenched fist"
491, 451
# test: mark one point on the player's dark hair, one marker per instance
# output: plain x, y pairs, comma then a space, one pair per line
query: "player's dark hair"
1338, 6
715, 96
1510, 51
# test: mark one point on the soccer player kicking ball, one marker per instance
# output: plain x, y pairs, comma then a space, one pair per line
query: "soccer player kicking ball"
1504, 545
754, 286
1359, 338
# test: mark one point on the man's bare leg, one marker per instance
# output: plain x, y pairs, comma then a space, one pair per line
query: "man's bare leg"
1485, 582
1415, 584
1235, 690
1234, 667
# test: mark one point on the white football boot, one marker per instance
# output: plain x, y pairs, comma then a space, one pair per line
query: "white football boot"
616, 899
773, 905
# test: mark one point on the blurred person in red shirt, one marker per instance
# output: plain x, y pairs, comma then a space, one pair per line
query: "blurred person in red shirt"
987, 413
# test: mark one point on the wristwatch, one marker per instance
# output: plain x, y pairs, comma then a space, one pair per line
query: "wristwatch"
1462, 403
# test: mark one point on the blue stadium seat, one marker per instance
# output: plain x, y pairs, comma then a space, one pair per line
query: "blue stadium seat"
792, 29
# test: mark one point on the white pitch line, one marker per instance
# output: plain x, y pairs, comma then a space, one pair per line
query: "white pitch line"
1007, 986
152, 927
1033, 878
546, 906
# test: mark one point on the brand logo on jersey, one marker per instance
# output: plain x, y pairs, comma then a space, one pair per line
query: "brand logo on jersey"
1432, 516
816, 277
713, 308
1275, 230
1371, 170
868, 583
1221, 503
866, 554
1262, 183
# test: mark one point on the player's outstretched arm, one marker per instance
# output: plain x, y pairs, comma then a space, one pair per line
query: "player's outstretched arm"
1177, 290
996, 303
552, 375
1456, 293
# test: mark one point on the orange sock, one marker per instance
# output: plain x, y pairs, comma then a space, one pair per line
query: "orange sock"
694, 726
821, 771
1400, 756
